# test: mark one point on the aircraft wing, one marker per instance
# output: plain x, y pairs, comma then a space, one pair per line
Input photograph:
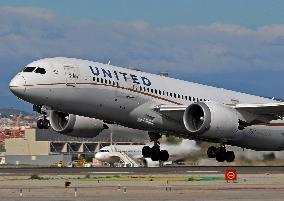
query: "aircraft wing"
266, 111
273, 110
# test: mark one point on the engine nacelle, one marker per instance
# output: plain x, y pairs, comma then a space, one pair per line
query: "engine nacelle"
74, 125
210, 119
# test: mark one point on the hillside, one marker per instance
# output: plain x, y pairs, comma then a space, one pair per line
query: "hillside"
6, 112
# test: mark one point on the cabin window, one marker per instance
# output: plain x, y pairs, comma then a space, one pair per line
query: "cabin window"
140, 88
171, 94
156, 91
167, 93
29, 69
105, 81
185, 97
102, 80
160, 92
152, 91
193, 99
163, 93
175, 95
40, 71
178, 96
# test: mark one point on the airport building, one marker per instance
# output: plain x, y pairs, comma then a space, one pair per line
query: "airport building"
47, 147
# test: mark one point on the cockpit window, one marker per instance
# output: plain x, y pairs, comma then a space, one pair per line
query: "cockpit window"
29, 69
103, 150
40, 70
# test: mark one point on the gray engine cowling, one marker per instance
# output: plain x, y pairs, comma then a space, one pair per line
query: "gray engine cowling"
210, 119
74, 125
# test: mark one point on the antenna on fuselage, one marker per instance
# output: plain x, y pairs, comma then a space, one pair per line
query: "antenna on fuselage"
108, 62
165, 74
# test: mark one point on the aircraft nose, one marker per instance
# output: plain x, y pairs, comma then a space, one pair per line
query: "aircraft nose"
99, 156
17, 85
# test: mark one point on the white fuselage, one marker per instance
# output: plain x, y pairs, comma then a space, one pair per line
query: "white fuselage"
108, 153
127, 97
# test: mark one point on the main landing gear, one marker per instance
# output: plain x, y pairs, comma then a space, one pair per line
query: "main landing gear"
42, 123
155, 153
221, 154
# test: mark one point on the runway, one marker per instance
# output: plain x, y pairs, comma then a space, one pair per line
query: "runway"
144, 184
143, 171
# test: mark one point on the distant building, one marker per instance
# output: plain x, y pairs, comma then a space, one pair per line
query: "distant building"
46, 147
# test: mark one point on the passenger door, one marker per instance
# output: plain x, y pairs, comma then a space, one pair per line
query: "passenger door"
71, 75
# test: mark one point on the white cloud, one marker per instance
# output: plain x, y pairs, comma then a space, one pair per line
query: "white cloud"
31, 33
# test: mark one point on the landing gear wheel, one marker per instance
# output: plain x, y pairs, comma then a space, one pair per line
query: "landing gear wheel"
211, 152
46, 124
43, 124
164, 155
155, 153
146, 152
230, 156
40, 124
220, 154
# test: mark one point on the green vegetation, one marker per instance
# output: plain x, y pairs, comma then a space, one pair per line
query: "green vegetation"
135, 178
35, 176
89, 177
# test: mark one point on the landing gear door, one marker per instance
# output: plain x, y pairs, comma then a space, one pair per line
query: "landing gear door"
71, 75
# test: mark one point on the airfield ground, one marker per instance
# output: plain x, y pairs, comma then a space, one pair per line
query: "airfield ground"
267, 183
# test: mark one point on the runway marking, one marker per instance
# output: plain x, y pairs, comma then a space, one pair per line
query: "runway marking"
110, 172
203, 171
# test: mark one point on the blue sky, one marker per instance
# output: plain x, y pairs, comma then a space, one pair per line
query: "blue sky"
237, 45
166, 12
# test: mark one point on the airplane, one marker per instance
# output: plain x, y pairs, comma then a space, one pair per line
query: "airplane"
108, 154
85, 96
176, 152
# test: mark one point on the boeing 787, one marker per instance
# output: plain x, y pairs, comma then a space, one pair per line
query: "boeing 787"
80, 97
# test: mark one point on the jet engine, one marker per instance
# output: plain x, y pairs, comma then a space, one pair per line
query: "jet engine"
74, 125
210, 119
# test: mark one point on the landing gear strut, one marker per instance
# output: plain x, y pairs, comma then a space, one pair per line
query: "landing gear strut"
155, 153
221, 154
42, 123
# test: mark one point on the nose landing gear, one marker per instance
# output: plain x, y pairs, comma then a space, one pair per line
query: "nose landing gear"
155, 153
221, 154
42, 123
